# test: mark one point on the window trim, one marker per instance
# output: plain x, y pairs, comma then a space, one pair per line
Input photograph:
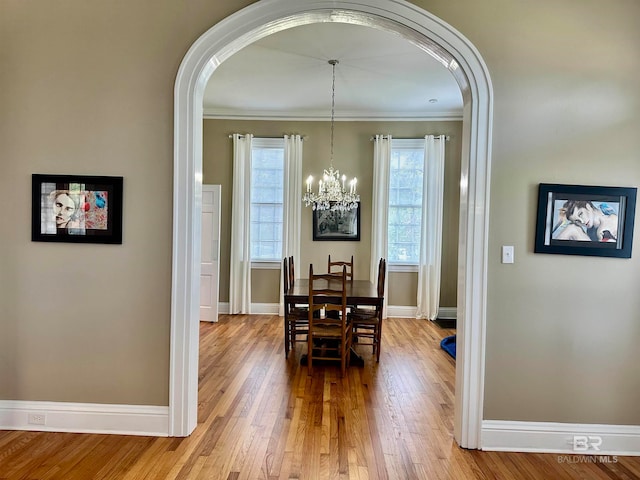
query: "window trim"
407, 143
265, 143
404, 144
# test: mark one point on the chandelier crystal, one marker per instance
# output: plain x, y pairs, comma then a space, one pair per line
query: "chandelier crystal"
332, 193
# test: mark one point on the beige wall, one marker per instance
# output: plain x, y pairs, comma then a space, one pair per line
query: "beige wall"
353, 155
87, 87
562, 331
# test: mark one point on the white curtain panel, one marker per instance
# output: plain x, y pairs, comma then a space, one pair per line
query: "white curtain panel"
240, 269
291, 220
380, 208
431, 231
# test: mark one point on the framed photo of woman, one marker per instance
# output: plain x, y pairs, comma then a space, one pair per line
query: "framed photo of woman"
585, 220
76, 209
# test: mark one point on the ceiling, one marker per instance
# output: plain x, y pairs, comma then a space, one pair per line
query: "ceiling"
286, 75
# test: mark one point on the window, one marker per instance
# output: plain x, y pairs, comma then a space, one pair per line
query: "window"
267, 179
405, 200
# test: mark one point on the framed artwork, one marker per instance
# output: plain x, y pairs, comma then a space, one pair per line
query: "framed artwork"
335, 225
585, 220
76, 209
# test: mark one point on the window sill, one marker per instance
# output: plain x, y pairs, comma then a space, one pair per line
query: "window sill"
266, 265
402, 267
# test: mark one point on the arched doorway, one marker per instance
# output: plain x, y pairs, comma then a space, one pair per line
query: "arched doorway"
436, 38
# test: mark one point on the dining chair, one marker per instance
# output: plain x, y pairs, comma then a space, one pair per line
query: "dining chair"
336, 267
329, 338
367, 322
296, 317
292, 271
292, 279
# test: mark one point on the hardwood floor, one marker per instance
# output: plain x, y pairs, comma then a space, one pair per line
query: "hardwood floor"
263, 417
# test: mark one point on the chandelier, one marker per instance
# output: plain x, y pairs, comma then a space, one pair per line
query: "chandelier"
333, 191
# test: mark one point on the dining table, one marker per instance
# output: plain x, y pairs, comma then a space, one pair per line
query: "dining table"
359, 293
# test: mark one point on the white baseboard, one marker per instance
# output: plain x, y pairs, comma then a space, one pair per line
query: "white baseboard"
223, 308
563, 438
401, 311
265, 308
84, 418
256, 308
448, 312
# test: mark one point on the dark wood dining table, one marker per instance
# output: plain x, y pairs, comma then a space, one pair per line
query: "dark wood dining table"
359, 292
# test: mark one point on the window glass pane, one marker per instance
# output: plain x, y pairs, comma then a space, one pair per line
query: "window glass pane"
267, 191
405, 202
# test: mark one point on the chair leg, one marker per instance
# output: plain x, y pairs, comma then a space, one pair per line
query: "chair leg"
345, 352
293, 334
378, 341
309, 354
374, 340
347, 356
343, 360
287, 334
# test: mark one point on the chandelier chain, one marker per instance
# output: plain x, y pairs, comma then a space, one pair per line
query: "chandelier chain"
333, 105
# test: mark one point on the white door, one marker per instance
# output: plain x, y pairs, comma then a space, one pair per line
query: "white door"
210, 255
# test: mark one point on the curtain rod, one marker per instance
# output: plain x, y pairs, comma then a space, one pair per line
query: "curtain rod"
304, 137
446, 137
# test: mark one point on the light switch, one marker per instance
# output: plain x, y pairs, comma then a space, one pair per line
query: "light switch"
507, 254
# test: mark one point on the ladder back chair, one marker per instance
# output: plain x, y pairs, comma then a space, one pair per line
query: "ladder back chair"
329, 338
367, 322
336, 267
296, 317
291, 271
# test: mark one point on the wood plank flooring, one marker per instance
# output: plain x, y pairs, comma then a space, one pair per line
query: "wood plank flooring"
263, 417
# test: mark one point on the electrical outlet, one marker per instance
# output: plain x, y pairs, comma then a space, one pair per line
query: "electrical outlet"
37, 419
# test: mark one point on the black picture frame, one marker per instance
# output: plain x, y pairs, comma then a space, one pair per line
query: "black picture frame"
336, 225
599, 220
76, 209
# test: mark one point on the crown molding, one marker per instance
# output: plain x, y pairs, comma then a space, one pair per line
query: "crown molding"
312, 116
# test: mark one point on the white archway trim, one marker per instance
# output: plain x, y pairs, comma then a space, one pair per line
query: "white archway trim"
436, 38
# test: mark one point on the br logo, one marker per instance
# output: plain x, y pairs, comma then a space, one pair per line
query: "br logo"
583, 443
